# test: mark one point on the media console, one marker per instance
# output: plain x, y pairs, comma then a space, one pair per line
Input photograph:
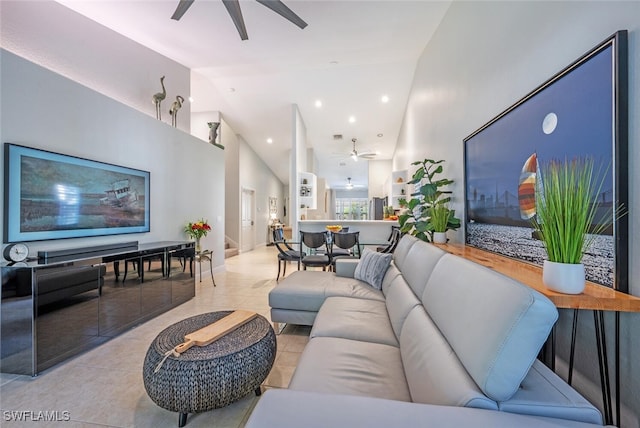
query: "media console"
53, 309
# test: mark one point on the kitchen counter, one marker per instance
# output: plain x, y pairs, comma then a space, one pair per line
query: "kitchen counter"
372, 232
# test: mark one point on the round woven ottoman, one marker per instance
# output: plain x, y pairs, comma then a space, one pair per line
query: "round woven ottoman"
208, 377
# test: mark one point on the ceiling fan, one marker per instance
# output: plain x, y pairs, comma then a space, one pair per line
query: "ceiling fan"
233, 7
365, 155
350, 185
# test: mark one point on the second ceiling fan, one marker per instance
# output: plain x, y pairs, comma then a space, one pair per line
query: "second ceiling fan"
233, 7
365, 155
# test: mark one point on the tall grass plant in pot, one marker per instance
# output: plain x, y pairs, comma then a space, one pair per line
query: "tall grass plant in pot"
566, 209
440, 216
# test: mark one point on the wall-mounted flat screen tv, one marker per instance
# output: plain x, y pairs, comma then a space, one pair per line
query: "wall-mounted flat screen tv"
53, 196
580, 112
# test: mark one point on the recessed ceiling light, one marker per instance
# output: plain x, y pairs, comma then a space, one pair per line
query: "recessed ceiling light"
352, 119
384, 99
380, 135
232, 89
269, 140
333, 62
318, 103
190, 99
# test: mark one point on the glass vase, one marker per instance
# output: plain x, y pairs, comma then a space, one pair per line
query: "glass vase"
198, 245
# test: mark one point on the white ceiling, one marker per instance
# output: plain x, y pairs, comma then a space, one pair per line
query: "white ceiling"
350, 54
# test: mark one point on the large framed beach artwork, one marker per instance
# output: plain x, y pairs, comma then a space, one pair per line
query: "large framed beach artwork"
53, 196
579, 112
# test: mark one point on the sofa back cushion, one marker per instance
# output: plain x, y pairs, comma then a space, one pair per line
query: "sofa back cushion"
418, 265
389, 277
495, 325
401, 251
399, 300
433, 372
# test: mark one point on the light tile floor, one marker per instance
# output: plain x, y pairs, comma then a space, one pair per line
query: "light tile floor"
104, 388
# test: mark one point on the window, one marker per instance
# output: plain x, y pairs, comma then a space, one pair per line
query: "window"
352, 208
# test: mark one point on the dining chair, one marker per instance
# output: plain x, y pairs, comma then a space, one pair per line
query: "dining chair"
319, 256
393, 239
344, 246
285, 252
278, 236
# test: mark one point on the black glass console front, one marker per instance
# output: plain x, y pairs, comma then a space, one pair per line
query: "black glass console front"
51, 311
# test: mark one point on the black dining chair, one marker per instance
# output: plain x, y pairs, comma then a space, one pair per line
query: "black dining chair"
344, 246
393, 239
285, 252
319, 255
278, 236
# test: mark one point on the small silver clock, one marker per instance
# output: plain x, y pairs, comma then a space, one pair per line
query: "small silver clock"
17, 252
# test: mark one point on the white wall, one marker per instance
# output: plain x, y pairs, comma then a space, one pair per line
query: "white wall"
298, 164
93, 126
379, 178
200, 124
74, 46
257, 176
484, 57
231, 145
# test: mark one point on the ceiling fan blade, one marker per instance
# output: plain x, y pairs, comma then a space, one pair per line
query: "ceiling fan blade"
233, 7
281, 9
181, 9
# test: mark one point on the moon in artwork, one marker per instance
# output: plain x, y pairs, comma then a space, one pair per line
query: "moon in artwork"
549, 123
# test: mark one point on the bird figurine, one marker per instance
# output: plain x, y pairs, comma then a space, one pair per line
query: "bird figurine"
173, 111
157, 98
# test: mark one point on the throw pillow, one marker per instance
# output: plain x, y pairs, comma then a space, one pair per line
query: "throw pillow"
372, 267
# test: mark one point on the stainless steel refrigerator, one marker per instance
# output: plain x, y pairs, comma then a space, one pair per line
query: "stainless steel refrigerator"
376, 206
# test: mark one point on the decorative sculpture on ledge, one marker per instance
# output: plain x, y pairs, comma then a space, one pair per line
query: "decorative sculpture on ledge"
157, 98
173, 111
213, 133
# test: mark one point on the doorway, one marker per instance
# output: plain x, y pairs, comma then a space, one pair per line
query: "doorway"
248, 232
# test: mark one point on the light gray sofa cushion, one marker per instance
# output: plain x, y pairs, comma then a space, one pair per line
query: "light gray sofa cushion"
284, 408
495, 325
372, 268
356, 319
307, 290
293, 316
543, 393
434, 373
419, 263
400, 300
402, 249
346, 267
352, 367
389, 277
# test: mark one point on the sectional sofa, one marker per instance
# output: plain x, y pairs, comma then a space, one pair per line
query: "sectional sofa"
440, 331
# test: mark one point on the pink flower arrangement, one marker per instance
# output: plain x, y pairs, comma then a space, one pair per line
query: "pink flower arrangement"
197, 229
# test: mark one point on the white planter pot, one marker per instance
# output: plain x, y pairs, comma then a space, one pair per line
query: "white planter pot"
563, 277
439, 237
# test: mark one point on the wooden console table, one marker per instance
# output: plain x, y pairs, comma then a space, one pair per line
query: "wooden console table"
595, 297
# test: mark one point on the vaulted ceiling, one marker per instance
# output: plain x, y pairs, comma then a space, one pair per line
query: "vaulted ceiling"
351, 54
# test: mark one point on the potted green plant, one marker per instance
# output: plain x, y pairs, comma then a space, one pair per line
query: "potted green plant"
418, 219
440, 215
565, 220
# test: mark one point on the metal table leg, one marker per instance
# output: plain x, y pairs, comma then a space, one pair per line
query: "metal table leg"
574, 329
601, 344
